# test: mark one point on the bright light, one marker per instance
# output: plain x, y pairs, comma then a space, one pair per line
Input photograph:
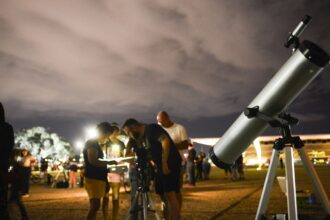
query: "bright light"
115, 151
91, 132
79, 144
257, 145
255, 161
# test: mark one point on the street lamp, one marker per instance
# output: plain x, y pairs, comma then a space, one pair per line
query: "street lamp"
90, 132
79, 145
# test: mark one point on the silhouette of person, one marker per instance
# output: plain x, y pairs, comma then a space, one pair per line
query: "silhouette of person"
6, 148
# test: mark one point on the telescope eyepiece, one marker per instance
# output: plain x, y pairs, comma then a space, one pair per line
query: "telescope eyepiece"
293, 38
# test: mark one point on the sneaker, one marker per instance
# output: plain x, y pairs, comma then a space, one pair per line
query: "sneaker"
26, 196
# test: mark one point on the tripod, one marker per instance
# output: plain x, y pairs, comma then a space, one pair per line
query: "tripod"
287, 143
142, 202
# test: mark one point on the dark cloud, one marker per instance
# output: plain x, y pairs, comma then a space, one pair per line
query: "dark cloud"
202, 61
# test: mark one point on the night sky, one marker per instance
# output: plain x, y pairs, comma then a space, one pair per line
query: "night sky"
66, 64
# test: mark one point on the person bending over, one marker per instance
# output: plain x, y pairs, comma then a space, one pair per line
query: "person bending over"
165, 155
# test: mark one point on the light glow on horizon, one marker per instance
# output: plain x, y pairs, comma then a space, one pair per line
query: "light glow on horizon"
256, 144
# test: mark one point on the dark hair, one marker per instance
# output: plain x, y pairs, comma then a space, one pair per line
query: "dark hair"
115, 126
104, 128
2, 113
130, 122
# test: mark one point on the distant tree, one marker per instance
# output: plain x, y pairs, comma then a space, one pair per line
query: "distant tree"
43, 144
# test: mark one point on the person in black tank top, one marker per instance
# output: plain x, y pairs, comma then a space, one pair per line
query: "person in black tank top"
95, 175
162, 151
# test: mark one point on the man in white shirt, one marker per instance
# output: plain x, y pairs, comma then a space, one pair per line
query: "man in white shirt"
176, 131
179, 136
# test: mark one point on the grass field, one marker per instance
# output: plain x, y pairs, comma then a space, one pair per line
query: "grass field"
217, 198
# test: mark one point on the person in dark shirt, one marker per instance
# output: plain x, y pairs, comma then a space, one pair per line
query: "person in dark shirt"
73, 168
240, 167
199, 166
43, 170
16, 180
95, 175
165, 155
206, 168
6, 149
191, 165
131, 148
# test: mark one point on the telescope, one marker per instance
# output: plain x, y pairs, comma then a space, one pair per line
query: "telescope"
269, 108
305, 64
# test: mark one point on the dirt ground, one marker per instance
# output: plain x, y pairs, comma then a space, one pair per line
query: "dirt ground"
217, 198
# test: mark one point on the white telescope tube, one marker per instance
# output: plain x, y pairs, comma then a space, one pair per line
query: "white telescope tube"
295, 75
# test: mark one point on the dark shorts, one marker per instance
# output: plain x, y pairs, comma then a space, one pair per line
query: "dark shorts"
168, 183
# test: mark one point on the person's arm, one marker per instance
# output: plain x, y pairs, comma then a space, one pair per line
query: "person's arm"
122, 149
183, 145
130, 148
165, 142
93, 159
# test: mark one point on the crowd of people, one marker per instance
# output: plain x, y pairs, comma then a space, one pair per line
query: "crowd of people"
197, 166
236, 171
172, 158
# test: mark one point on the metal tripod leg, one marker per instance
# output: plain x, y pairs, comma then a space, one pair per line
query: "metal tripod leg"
146, 205
152, 207
271, 173
316, 183
290, 184
134, 206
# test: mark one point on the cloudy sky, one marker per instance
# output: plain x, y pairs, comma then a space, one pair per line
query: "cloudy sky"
66, 64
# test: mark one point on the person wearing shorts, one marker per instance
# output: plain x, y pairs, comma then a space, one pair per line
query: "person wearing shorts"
95, 175
114, 149
162, 151
168, 183
178, 134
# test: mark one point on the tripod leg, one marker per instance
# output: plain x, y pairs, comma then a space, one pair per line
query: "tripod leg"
152, 207
145, 203
134, 209
271, 173
317, 185
290, 184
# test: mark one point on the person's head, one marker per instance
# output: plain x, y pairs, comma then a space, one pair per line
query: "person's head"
164, 119
116, 130
132, 128
104, 130
190, 146
25, 152
2, 113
